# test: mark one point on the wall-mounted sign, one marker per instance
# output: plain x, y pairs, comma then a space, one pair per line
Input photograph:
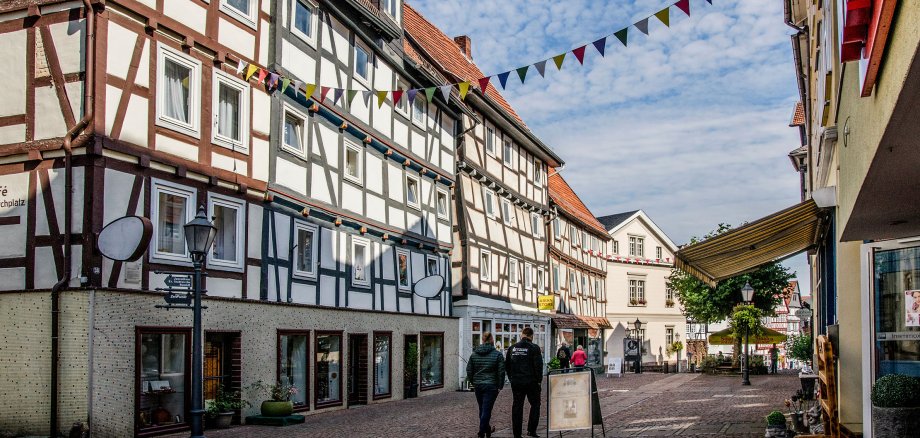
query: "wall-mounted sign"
125, 238
546, 302
429, 287
912, 308
14, 214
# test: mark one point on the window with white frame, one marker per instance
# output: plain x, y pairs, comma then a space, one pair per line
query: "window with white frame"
490, 141
537, 172
536, 224
419, 110
354, 170
178, 91
513, 276
413, 195
573, 236
636, 246
584, 284
227, 249
616, 246
403, 270
555, 273
362, 63
488, 198
231, 112
442, 204
173, 207
540, 280
431, 265
402, 106
305, 250
360, 257
572, 283
507, 211
485, 266
506, 152
391, 8
636, 292
669, 336
243, 10
292, 129
528, 276
557, 233
304, 20
658, 252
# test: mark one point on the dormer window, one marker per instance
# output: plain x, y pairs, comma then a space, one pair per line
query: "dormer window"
391, 8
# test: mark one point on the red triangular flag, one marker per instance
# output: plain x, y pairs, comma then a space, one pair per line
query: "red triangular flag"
484, 83
323, 91
683, 5
580, 54
263, 73
397, 95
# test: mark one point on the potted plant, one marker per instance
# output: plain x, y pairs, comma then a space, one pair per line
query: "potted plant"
669, 303
895, 405
776, 425
642, 301
222, 408
554, 364
633, 301
410, 372
279, 403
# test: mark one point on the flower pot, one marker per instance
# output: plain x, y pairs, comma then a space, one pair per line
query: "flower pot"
271, 408
223, 419
776, 431
895, 421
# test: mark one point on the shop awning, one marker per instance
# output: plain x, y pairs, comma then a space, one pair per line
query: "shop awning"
567, 321
775, 237
766, 336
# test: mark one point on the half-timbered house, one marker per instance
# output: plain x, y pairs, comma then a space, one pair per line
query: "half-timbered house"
577, 245
328, 209
502, 204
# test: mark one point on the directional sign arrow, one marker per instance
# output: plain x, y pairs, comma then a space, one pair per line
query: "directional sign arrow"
180, 281
178, 298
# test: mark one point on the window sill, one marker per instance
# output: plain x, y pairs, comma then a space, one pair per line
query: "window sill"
429, 388
321, 405
230, 144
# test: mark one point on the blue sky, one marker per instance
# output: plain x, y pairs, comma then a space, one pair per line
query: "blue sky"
689, 123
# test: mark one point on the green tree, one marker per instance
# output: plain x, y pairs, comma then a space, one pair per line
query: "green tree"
705, 304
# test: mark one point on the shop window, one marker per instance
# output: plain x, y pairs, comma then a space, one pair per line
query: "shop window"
328, 385
231, 112
897, 310
162, 367
227, 214
360, 256
432, 360
305, 250
179, 91
403, 270
172, 208
294, 366
383, 357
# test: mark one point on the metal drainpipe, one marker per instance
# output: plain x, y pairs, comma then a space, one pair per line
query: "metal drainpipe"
68, 208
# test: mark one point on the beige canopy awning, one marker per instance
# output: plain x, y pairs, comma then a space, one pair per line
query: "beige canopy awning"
775, 237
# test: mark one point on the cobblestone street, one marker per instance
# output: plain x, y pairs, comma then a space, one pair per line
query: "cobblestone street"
634, 405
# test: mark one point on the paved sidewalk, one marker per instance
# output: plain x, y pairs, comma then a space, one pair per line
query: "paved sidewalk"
649, 404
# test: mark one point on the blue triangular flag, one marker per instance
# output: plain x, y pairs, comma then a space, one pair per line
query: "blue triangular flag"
710, 1
600, 45
410, 95
541, 67
642, 25
503, 78
337, 94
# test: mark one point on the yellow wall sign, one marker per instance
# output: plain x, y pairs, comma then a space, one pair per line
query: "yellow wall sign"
546, 302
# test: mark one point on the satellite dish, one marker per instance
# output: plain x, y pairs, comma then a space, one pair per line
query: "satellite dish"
429, 287
125, 238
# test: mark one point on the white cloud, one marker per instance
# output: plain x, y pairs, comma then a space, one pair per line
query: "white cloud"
688, 123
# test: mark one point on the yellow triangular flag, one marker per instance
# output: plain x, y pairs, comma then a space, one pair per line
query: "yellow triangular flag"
664, 16
464, 88
381, 97
251, 70
309, 89
558, 60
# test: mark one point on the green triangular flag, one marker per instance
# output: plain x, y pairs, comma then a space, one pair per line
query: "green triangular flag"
381, 97
351, 95
429, 93
522, 72
558, 60
284, 84
622, 35
664, 16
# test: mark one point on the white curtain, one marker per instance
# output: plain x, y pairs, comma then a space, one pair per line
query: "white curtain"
228, 112
177, 91
225, 240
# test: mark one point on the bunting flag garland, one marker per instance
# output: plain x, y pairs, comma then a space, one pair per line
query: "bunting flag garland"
664, 16
274, 80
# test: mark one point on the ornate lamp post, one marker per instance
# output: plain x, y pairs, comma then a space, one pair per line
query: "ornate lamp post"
638, 325
199, 235
747, 293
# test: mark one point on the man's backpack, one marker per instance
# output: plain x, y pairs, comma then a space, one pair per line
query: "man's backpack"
561, 354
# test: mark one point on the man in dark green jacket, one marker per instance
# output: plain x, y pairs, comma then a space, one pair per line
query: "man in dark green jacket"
486, 370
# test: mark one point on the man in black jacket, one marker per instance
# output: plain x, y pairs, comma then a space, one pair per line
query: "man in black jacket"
486, 370
524, 363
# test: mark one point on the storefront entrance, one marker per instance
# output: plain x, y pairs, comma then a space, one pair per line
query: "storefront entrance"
897, 310
222, 360
357, 370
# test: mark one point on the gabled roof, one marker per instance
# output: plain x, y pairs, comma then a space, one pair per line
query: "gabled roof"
798, 115
614, 222
562, 194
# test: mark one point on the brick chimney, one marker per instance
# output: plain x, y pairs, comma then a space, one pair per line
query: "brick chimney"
465, 44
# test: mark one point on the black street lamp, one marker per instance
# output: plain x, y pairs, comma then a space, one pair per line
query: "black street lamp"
747, 293
638, 325
199, 235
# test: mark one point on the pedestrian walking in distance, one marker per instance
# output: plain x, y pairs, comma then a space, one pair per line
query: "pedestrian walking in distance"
579, 357
524, 362
564, 355
486, 371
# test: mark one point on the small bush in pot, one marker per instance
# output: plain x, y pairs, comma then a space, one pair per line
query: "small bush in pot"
895, 405
279, 403
776, 424
222, 408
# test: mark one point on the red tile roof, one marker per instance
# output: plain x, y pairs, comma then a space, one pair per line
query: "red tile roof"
562, 194
447, 55
798, 115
